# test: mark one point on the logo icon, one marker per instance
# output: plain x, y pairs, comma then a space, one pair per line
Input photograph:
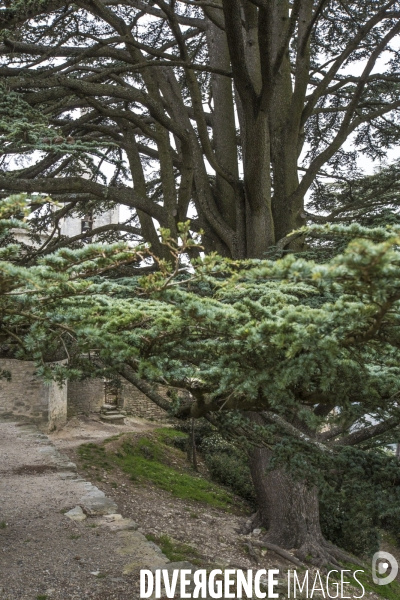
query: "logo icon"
381, 561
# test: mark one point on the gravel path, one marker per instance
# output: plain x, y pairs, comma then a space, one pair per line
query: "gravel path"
43, 553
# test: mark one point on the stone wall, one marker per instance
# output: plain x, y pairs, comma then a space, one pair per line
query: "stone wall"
28, 397
137, 404
88, 396
85, 397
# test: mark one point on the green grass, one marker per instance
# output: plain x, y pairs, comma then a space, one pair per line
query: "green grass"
42, 597
144, 460
95, 455
3, 524
175, 551
167, 435
387, 592
149, 459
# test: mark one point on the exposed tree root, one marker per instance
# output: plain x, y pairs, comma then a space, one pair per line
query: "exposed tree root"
322, 553
319, 553
254, 522
249, 546
278, 550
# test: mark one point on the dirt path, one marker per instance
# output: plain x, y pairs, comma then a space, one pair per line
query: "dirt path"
212, 532
44, 554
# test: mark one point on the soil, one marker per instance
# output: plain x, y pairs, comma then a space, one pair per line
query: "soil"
212, 532
46, 556
43, 554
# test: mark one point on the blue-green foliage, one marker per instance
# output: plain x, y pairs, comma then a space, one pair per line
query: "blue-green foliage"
281, 336
311, 346
26, 129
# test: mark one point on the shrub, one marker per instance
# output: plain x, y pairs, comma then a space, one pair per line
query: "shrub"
365, 501
349, 525
228, 465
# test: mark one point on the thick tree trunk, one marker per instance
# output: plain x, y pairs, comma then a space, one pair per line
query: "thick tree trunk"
285, 115
224, 128
260, 232
288, 212
289, 509
269, 111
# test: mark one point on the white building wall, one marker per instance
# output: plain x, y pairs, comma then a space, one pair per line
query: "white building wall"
72, 226
107, 218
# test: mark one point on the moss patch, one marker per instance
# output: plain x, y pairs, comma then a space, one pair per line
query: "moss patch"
175, 551
113, 438
153, 457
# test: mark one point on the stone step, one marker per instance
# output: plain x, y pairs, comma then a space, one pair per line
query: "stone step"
113, 418
110, 412
108, 407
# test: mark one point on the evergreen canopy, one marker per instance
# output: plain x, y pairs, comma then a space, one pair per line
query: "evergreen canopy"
227, 112
312, 348
307, 344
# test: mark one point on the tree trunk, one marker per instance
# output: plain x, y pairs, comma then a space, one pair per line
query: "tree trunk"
260, 232
289, 510
285, 111
269, 111
224, 129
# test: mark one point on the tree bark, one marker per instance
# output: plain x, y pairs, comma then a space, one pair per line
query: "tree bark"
260, 233
224, 129
289, 510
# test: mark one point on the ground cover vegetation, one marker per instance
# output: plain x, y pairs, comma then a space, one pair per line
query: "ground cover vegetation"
149, 459
227, 112
105, 457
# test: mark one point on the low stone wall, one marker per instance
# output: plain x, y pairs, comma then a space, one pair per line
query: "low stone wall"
85, 397
57, 399
28, 397
88, 396
135, 403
